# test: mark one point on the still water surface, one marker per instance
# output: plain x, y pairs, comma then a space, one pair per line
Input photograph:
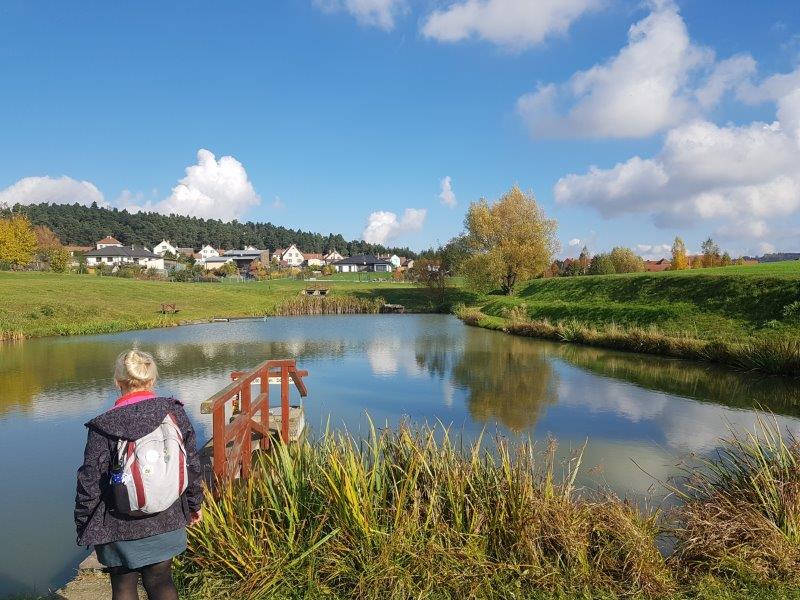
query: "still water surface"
422, 367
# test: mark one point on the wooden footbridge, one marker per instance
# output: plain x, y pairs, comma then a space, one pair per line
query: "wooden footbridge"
243, 422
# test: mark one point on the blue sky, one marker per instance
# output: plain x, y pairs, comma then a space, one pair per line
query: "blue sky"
347, 115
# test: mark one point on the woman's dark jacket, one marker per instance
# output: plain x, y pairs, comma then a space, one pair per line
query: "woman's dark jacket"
94, 522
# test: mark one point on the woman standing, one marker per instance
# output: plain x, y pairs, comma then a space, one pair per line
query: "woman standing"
135, 544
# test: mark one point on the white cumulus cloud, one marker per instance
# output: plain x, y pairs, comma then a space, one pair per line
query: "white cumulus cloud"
658, 80
383, 226
447, 195
54, 190
211, 189
654, 251
574, 242
733, 173
371, 13
514, 24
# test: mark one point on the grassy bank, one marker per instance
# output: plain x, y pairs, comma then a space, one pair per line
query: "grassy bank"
412, 514
738, 316
41, 304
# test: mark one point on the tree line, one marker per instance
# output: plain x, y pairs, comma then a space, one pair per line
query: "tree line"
79, 225
511, 241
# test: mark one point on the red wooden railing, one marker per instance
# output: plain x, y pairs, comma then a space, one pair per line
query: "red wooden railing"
232, 442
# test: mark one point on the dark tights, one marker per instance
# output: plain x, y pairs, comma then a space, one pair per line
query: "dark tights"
157, 580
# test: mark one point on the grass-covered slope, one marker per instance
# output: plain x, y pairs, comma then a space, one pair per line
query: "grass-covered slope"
725, 303
39, 304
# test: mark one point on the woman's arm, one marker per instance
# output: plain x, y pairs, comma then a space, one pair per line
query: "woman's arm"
95, 466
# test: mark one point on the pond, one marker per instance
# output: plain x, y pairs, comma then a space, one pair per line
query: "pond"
640, 414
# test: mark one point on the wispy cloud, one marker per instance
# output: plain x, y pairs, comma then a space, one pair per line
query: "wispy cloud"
512, 24
447, 195
370, 13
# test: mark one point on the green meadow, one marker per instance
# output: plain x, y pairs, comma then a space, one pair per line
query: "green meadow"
42, 304
721, 303
744, 316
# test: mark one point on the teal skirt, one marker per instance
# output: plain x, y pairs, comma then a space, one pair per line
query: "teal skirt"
135, 554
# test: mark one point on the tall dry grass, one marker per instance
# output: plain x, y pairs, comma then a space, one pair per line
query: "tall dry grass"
408, 514
741, 509
772, 356
329, 305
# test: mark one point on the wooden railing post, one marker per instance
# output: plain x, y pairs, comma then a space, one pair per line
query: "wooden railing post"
285, 404
247, 433
264, 387
218, 429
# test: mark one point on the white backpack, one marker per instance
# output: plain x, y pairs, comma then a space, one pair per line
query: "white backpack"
150, 474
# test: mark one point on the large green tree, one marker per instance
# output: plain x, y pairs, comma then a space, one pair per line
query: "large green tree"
510, 241
626, 260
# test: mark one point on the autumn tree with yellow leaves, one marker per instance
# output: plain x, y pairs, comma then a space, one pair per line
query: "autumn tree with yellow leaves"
509, 241
18, 241
679, 259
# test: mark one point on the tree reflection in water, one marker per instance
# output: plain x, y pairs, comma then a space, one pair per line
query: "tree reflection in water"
703, 382
27, 369
508, 379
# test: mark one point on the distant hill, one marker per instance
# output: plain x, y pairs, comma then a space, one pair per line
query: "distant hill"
80, 225
779, 256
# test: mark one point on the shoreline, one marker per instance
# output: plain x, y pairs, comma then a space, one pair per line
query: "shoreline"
779, 358
36, 305
208, 321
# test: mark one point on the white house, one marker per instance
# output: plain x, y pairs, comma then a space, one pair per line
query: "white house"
395, 260
291, 255
108, 242
208, 251
361, 263
116, 256
164, 247
332, 256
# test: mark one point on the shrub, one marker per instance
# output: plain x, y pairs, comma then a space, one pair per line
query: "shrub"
601, 264
626, 260
516, 315
792, 310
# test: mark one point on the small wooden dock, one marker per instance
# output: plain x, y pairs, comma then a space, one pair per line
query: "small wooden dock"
244, 422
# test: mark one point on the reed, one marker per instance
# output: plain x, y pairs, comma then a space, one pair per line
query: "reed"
407, 514
329, 305
741, 509
411, 513
9, 335
771, 356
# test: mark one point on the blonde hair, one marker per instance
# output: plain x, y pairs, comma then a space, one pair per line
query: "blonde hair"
136, 370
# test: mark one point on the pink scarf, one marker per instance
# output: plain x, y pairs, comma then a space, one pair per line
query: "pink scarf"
133, 398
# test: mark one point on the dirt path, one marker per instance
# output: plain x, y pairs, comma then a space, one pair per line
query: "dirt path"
90, 584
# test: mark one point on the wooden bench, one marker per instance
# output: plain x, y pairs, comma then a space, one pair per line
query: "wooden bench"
168, 308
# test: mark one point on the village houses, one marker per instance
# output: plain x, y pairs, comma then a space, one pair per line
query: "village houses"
110, 251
